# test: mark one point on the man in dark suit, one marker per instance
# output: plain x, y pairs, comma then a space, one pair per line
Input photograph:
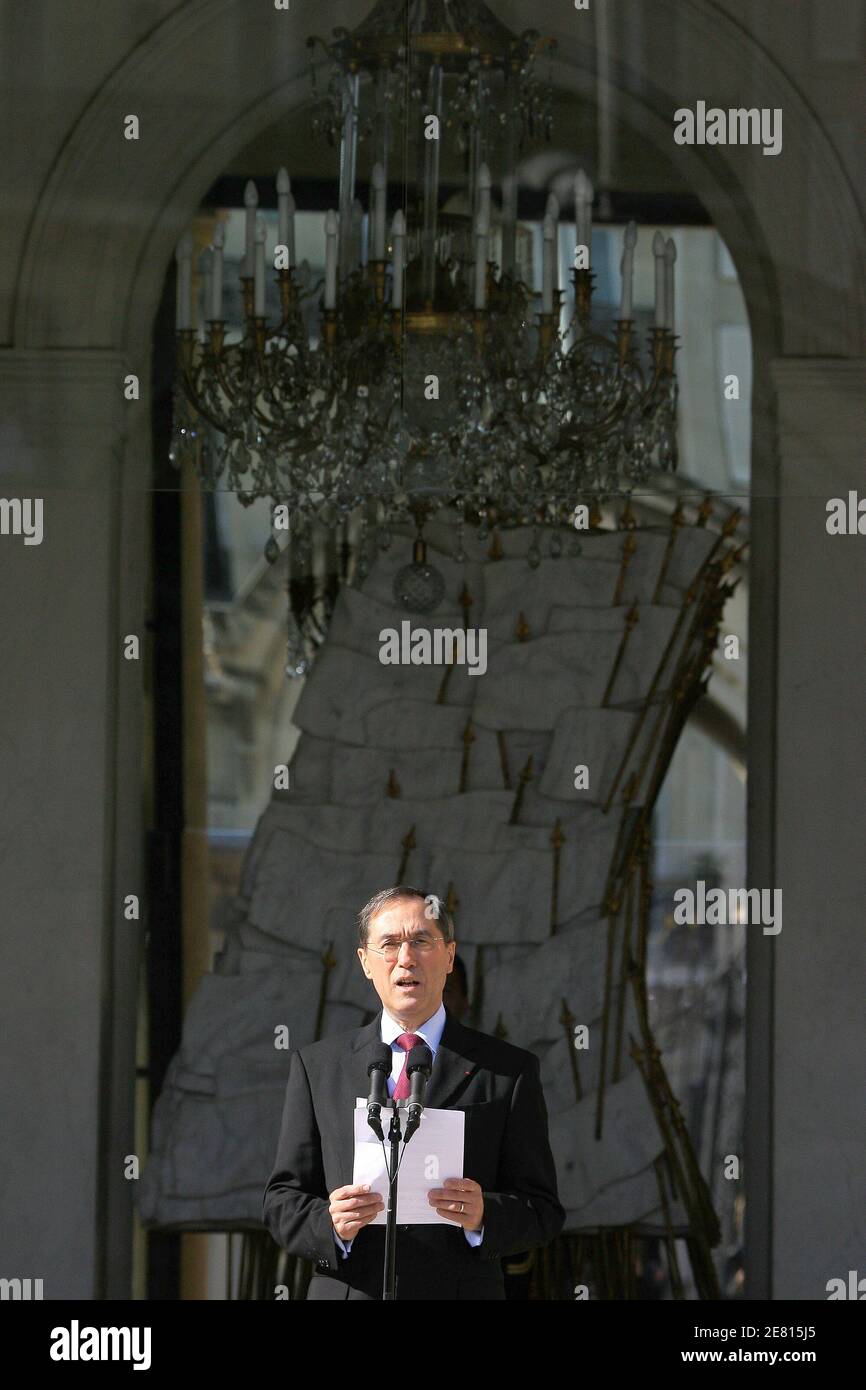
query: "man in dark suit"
506, 1201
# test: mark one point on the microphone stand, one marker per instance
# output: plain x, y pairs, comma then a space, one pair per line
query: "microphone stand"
418, 1066
389, 1287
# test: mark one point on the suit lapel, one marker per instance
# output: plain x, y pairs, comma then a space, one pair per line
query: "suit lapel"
452, 1067
352, 1083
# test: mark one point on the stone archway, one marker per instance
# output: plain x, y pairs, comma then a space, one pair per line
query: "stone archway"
248, 69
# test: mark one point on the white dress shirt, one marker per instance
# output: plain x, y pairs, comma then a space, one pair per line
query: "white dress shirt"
431, 1032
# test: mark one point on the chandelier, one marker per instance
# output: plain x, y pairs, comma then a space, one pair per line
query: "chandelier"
435, 375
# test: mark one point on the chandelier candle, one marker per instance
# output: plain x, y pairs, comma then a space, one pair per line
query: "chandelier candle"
330, 259
659, 253
627, 271
484, 193
670, 258
509, 221
431, 186
259, 270
356, 240
482, 217
482, 242
216, 276
207, 296
286, 214
549, 235
583, 211
398, 234
349, 153
379, 200
251, 203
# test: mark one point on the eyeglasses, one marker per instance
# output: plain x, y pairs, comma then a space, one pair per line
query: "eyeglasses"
422, 942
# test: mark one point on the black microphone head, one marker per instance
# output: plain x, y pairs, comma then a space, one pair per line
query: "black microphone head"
420, 1059
380, 1058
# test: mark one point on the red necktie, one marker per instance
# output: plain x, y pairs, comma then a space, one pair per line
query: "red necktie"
406, 1041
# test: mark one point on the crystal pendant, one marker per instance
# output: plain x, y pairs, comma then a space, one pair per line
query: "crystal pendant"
272, 550
178, 446
418, 588
555, 545
297, 662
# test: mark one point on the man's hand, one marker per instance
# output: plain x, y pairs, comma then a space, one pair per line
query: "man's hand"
457, 1193
353, 1207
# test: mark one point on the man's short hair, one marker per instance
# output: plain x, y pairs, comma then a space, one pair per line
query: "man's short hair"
438, 913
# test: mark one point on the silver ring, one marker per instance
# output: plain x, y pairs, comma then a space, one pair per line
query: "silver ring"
461, 1208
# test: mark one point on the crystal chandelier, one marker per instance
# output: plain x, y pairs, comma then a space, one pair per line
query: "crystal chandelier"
436, 377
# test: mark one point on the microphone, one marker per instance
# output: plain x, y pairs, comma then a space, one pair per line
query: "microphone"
419, 1065
378, 1070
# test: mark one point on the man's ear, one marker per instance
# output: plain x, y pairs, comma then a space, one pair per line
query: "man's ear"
363, 962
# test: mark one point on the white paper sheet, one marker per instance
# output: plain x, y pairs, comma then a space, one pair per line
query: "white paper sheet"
434, 1153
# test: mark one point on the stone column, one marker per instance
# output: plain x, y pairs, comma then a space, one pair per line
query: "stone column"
812, 1019
70, 765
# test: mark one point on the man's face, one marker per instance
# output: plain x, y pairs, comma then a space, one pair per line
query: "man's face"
409, 987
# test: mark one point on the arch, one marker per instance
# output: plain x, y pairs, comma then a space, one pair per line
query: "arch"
239, 69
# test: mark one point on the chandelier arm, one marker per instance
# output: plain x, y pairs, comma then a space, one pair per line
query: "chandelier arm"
301, 443
217, 361
566, 437
264, 386
234, 399
659, 374
270, 385
259, 417
534, 450
648, 397
224, 383
221, 425
198, 405
599, 429
297, 339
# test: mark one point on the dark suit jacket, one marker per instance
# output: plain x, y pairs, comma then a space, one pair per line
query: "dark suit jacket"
507, 1151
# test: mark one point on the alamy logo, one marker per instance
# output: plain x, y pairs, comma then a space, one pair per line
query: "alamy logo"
836, 1288
22, 517
20, 1289
75, 1343
720, 908
846, 518
438, 646
738, 125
